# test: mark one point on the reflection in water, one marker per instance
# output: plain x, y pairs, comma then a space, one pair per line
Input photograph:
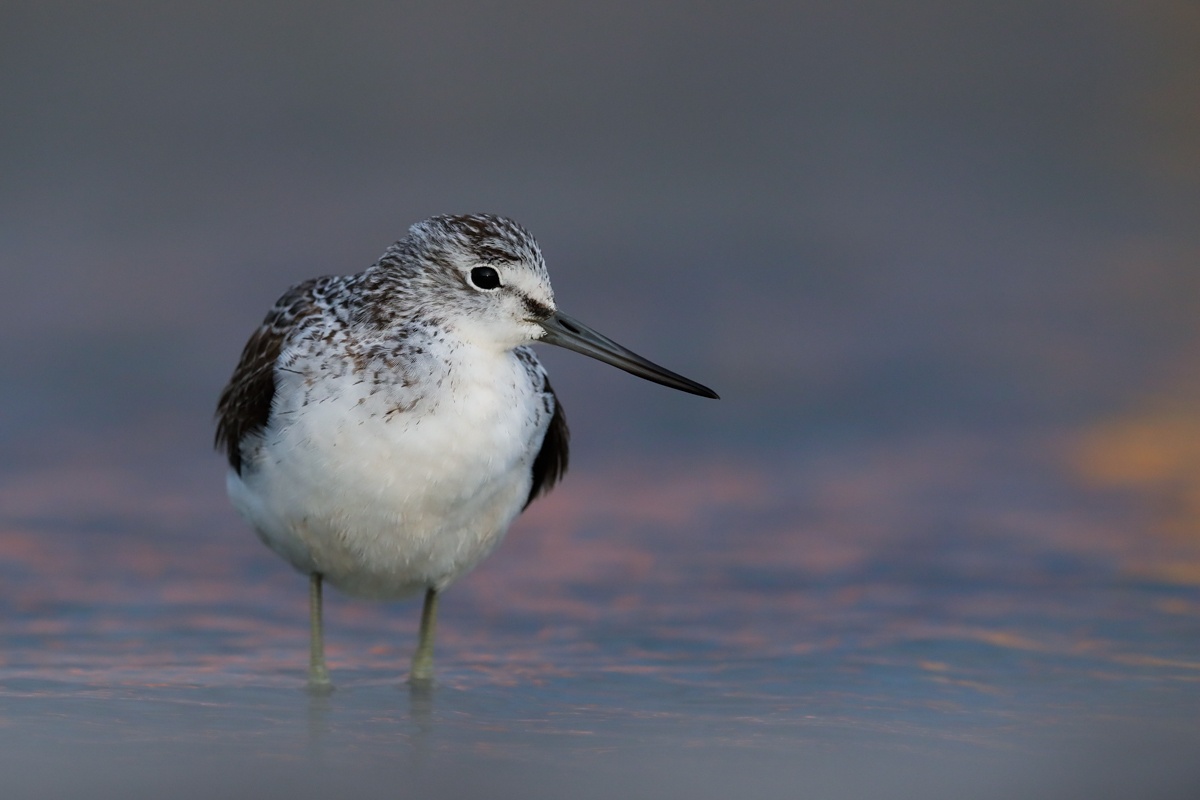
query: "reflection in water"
420, 711
842, 555
941, 596
319, 731
1154, 455
947, 608
1156, 452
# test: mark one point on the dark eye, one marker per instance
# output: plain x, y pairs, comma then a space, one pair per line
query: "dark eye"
485, 278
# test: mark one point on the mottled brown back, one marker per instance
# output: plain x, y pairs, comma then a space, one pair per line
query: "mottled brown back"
245, 404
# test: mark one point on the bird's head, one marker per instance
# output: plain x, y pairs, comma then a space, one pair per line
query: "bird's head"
484, 277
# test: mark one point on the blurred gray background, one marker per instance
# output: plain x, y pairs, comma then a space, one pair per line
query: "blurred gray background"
853, 216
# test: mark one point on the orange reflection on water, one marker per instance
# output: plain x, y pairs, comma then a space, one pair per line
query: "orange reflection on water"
1154, 454
1157, 453
703, 560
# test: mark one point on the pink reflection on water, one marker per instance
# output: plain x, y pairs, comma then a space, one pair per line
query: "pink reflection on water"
745, 559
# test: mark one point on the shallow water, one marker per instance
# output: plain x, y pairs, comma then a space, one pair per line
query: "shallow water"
994, 629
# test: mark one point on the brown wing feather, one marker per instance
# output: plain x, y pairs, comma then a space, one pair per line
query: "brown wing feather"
551, 462
245, 404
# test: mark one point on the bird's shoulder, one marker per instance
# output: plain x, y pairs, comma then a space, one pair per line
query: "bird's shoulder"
550, 464
244, 407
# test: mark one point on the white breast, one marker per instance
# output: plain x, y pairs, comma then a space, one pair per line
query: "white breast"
384, 489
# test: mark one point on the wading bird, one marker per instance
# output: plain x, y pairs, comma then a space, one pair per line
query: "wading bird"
384, 429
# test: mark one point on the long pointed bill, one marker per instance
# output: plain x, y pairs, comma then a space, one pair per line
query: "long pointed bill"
566, 332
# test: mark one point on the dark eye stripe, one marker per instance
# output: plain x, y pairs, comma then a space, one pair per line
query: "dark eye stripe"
537, 310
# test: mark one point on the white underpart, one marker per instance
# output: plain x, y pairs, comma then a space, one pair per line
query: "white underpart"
387, 504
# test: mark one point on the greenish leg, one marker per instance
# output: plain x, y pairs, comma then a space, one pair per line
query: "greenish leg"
422, 665
318, 676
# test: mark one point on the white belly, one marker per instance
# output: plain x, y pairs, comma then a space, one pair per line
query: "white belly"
387, 504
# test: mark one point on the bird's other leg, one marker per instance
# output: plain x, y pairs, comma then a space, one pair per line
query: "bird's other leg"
422, 664
318, 676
